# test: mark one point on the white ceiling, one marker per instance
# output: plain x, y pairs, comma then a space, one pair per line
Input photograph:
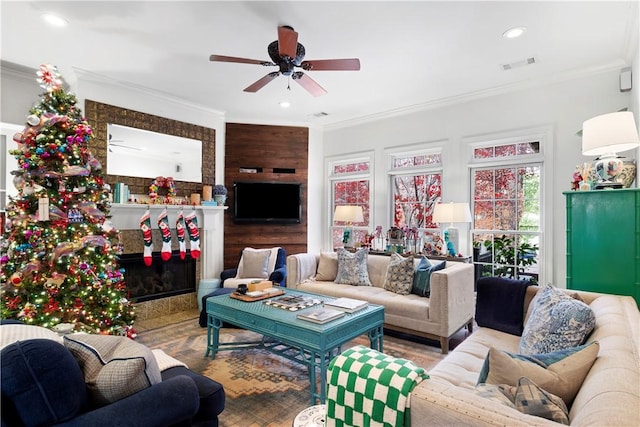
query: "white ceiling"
413, 54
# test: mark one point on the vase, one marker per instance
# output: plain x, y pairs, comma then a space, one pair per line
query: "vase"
220, 199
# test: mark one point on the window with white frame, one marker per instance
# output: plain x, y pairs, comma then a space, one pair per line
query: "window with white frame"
350, 181
416, 187
506, 179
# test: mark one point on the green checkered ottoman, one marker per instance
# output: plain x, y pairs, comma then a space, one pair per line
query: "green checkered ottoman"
369, 388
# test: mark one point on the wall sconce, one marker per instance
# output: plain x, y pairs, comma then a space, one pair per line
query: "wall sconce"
451, 213
604, 136
348, 214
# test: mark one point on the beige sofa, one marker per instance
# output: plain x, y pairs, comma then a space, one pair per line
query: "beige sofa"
609, 396
450, 307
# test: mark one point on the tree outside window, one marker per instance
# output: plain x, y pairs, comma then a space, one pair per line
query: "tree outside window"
417, 186
350, 185
507, 216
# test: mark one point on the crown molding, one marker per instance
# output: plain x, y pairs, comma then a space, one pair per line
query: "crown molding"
88, 76
480, 94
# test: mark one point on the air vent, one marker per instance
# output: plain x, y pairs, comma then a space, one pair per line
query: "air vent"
320, 114
522, 63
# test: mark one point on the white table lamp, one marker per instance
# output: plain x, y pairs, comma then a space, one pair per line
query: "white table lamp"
348, 214
452, 213
604, 136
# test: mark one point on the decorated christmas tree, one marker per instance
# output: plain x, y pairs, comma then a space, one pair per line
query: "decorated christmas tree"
59, 252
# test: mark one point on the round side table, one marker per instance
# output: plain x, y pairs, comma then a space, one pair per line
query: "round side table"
313, 416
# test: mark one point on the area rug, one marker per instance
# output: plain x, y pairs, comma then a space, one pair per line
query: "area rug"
262, 389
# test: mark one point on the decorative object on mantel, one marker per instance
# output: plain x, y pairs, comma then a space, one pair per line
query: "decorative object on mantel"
605, 135
220, 194
207, 192
180, 233
191, 220
158, 184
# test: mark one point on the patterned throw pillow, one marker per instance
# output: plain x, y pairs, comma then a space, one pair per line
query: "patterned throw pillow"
561, 372
557, 321
399, 277
113, 367
422, 277
352, 268
533, 400
527, 398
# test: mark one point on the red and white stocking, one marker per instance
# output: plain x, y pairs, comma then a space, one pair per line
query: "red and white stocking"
145, 226
194, 234
165, 231
180, 233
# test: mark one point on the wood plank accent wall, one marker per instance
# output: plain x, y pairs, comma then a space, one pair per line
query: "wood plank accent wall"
269, 148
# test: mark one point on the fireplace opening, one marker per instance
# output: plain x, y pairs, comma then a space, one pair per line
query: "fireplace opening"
162, 279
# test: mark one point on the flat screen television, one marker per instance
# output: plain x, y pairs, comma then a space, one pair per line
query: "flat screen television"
267, 202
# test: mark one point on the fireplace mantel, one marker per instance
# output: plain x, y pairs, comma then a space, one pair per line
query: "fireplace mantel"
126, 216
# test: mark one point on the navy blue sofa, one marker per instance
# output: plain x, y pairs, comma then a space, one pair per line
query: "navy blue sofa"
43, 385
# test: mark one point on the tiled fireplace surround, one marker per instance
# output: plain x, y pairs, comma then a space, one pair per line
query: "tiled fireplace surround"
126, 218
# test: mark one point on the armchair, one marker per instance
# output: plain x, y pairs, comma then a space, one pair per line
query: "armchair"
276, 269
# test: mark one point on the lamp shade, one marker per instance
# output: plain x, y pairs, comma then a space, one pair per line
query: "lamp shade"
451, 212
348, 213
609, 133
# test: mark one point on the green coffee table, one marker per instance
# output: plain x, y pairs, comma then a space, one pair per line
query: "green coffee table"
283, 333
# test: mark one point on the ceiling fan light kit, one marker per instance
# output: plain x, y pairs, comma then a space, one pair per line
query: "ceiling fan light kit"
287, 54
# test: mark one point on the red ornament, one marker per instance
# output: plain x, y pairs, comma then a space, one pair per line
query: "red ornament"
78, 303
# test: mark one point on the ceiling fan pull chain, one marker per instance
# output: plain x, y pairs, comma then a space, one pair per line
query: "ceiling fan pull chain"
288, 82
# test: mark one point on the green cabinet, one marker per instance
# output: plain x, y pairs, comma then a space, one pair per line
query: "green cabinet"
603, 241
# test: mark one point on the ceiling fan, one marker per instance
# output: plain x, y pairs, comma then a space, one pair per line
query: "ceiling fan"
114, 143
286, 53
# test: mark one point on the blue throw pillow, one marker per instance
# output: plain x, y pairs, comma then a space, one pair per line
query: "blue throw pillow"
422, 277
42, 383
557, 322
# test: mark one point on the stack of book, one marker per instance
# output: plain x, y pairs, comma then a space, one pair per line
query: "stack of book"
321, 315
348, 305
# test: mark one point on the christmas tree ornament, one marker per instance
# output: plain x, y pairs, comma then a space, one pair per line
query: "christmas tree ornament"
191, 221
165, 232
180, 234
145, 227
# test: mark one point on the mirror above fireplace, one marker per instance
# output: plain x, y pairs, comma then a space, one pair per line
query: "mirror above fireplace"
146, 154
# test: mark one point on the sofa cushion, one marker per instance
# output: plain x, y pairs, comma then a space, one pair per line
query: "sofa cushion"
42, 383
114, 367
557, 321
399, 277
560, 373
421, 285
327, 267
352, 268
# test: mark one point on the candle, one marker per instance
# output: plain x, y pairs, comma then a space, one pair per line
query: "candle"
206, 192
195, 198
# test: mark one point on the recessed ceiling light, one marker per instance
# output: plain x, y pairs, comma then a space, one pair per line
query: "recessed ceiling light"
55, 20
514, 32
285, 104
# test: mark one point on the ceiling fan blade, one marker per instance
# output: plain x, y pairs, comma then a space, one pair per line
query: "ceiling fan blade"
287, 41
222, 58
351, 64
308, 83
262, 82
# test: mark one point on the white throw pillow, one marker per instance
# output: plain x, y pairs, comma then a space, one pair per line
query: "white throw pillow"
272, 261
